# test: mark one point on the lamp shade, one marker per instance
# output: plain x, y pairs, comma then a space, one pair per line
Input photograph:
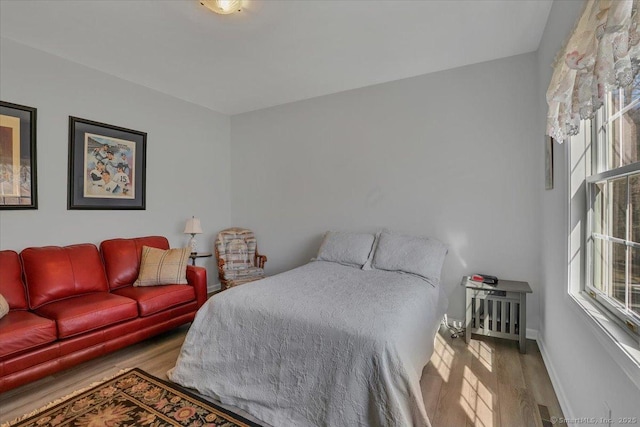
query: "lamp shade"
193, 226
222, 7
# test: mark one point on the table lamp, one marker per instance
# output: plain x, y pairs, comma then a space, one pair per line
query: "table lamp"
193, 227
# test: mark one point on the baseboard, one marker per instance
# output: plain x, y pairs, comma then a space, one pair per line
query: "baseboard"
213, 287
555, 381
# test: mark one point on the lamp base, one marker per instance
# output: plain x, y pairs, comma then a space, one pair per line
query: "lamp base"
193, 244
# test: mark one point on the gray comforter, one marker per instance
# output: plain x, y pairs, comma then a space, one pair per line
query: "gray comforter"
321, 345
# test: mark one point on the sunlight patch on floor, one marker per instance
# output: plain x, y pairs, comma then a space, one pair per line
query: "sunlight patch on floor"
442, 357
482, 352
476, 400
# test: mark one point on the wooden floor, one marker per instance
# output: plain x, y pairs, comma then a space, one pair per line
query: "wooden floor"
488, 383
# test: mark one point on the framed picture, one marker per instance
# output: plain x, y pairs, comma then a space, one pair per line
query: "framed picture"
548, 163
18, 184
107, 166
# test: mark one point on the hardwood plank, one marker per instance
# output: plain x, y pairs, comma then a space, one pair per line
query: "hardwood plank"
517, 406
537, 379
482, 379
454, 393
431, 386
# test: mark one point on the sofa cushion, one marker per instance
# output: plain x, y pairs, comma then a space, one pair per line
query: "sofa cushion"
54, 273
88, 312
21, 330
251, 272
122, 258
154, 299
11, 284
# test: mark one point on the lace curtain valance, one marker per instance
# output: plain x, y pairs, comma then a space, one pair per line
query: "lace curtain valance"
602, 54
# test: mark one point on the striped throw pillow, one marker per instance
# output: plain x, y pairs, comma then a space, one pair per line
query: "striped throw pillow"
163, 267
4, 307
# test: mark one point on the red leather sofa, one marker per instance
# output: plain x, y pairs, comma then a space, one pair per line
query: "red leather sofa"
71, 304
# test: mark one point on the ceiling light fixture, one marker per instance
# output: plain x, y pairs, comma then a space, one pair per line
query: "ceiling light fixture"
223, 7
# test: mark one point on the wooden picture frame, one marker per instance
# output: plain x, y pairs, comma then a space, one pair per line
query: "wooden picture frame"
548, 163
18, 177
107, 166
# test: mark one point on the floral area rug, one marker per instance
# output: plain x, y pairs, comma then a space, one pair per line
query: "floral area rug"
134, 398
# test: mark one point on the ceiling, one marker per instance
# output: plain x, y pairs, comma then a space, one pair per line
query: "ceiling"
274, 51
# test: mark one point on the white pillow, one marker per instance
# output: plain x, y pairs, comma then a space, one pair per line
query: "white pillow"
421, 256
4, 307
351, 249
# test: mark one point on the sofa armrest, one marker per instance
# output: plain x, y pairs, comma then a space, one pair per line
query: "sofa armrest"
197, 277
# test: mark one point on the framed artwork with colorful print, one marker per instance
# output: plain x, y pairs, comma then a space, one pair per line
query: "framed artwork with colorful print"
107, 166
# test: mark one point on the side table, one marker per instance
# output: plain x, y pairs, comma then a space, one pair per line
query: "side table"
497, 311
195, 255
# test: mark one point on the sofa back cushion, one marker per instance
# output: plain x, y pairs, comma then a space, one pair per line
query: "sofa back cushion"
122, 258
11, 285
53, 273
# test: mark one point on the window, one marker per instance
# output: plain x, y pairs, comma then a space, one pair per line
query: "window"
613, 234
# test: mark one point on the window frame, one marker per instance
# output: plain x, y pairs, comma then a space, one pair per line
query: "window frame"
625, 318
601, 297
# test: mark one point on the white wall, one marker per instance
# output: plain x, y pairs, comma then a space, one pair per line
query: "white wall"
586, 374
447, 155
187, 154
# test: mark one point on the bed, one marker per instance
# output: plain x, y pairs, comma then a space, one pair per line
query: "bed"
322, 344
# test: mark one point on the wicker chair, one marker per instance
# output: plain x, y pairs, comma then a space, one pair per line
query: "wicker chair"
238, 259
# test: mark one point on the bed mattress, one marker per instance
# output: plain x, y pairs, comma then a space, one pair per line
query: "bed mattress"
322, 344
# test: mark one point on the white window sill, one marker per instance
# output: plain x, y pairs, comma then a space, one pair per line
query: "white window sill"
621, 346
